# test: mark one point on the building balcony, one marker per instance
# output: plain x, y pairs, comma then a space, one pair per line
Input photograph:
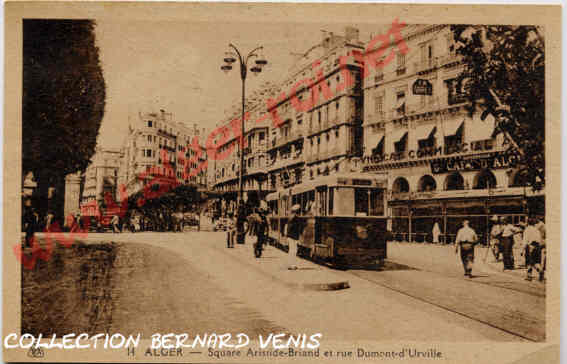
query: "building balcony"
165, 133
285, 139
449, 59
375, 118
284, 162
321, 156
426, 66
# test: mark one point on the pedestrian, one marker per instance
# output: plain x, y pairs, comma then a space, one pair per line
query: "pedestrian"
30, 223
114, 222
532, 249
466, 240
496, 237
258, 224
241, 215
541, 227
509, 230
293, 231
48, 220
436, 232
230, 231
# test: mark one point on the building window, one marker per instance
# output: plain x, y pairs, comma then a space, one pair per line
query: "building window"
454, 182
401, 185
337, 133
379, 105
427, 184
484, 180
401, 146
455, 94
401, 102
401, 64
262, 136
425, 144
149, 123
149, 138
453, 142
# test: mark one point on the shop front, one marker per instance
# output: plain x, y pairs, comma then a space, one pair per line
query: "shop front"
415, 214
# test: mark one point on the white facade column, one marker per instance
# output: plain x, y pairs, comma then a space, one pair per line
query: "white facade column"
72, 194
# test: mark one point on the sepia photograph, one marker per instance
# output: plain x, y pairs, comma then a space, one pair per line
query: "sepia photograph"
248, 182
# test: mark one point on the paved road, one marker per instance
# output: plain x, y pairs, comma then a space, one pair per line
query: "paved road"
189, 282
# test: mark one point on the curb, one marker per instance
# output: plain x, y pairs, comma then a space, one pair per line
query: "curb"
332, 286
326, 286
335, 286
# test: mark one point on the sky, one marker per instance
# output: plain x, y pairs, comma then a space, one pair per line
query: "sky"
175, 65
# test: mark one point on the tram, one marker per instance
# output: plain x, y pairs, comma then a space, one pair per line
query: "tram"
343, 218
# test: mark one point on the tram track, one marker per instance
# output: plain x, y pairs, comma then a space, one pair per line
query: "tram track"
502, 284
533, 337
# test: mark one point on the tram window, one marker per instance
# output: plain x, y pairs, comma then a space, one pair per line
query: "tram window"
273, 207
376, 202
322, 198
361, 201
331, 197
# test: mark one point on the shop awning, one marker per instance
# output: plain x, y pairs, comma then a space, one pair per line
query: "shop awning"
380, 145
452, 127
425, 132
398, 135
479, 129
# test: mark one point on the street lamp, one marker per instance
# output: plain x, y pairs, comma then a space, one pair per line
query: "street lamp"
260, 62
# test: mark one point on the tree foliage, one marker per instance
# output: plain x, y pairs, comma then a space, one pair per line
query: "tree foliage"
504, 75
63, 97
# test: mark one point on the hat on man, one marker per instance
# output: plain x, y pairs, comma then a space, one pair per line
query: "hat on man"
295, 208
494, 218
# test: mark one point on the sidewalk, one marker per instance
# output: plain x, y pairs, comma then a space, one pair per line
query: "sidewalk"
442, 258
274, 263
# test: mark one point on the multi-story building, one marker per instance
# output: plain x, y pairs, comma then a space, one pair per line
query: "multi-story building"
158, 149
444, 164
395, 110
100, 180
227, 167
321, 128
311, 140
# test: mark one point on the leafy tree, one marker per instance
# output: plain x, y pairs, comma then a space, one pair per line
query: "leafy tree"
504, 75
63, 99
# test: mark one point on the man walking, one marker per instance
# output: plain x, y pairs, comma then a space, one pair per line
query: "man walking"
466, 240
532, 249
495, 237
508, 232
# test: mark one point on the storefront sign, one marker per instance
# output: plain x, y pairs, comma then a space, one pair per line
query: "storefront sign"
422, 87
454, 164
375, 162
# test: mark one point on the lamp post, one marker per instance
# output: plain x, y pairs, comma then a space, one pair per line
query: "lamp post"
260, 62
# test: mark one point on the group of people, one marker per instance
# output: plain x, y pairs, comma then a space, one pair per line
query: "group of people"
502, 240
255, 224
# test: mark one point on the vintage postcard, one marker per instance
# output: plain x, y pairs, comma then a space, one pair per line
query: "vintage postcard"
281, 182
